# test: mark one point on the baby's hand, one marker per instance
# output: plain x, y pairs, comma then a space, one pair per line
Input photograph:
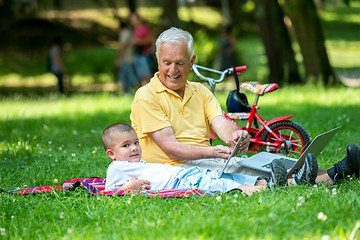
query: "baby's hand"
140, 184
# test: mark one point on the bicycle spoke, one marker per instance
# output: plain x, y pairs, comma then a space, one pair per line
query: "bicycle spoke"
291, 138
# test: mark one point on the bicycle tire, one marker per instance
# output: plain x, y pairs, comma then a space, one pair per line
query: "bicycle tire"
295, 144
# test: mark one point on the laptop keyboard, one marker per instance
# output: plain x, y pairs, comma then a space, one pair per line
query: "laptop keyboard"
287, 162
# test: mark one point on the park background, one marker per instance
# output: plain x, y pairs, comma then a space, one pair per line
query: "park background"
45, 136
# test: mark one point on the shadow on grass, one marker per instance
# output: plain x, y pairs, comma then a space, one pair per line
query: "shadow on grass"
339, 30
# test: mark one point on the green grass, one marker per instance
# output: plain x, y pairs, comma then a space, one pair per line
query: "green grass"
53, 137
342, 31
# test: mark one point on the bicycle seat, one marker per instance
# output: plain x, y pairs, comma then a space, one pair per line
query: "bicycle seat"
260, 89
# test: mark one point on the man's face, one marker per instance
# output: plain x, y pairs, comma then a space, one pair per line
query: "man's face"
125, 148
174, 66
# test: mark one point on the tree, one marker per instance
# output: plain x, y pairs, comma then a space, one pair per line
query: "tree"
276, 39
309, 34
6, 12
132, 5
225, 9
170, 16
237, 16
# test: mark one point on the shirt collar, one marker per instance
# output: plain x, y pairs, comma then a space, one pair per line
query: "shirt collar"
159, 87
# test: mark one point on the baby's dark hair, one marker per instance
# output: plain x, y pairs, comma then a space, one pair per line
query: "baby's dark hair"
113, 130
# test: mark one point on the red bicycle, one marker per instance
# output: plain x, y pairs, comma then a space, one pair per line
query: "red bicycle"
279, 135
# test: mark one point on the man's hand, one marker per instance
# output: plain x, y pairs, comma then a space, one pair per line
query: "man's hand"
245, 141
230, 133
220, 151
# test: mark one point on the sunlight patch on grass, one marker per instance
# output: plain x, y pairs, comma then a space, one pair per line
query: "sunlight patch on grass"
84, 17
78, 79
316, 94
16, 80
151, 14
351, 16
49, 80
81, 79
344, 54
202, 15
54, 106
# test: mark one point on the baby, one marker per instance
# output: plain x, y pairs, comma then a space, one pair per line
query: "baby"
128, 171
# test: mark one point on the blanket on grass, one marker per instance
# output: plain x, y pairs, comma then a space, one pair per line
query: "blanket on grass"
96, 186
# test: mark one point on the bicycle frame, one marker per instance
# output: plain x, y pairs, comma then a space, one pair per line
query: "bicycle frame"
255, 133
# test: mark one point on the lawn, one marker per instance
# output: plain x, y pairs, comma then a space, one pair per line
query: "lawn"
54, 137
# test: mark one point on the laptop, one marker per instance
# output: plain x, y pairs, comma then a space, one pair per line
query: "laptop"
262, 161
231, 155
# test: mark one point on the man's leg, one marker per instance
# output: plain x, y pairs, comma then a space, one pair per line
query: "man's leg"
59, 77
348, 166
217, 164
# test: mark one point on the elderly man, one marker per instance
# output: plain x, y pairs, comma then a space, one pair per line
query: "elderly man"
173, 119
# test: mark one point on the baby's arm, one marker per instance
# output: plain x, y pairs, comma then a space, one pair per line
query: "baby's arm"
135, 183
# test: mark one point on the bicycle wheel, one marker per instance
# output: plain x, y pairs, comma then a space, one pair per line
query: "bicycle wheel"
295, 136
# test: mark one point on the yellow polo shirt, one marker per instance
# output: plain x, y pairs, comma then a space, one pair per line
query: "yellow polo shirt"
156, 107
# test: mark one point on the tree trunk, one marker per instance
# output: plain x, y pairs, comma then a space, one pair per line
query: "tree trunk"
6, 13
309, 34
170, 17
281, 60
236, 16
132, 5
225, 11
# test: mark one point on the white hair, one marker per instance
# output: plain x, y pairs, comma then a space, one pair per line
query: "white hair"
176, 36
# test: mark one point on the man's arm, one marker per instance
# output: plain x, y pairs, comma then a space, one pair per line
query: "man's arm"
166, 140
230, 133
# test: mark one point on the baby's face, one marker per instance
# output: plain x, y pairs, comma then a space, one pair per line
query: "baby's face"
127, 147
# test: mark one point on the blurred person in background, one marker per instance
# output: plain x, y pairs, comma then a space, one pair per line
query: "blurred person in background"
143, 42
124, 61
227, 50
56, 63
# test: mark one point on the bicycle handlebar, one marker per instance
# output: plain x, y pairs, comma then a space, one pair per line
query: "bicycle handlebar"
227, 72
240, 68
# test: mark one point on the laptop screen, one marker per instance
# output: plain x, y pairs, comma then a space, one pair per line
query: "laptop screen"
231, 155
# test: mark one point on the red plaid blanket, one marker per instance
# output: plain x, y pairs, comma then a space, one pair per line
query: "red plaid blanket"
96, 186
